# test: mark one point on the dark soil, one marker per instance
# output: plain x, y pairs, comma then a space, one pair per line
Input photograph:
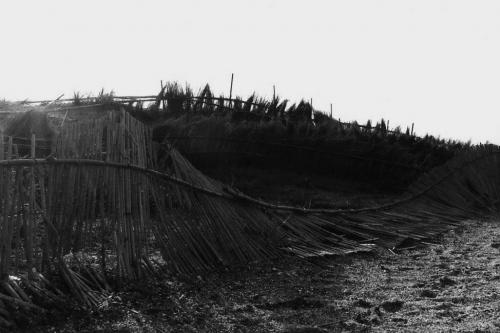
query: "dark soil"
452, 285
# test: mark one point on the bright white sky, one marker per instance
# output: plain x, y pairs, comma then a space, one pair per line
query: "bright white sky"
434, 63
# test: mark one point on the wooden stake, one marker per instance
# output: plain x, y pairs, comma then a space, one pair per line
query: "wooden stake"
231, 91
312, 110
162, 95
33, 145
30, 218
64, 119
9, 148
1, 146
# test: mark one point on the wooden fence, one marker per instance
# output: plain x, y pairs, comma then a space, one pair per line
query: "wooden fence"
163, 101
103, 193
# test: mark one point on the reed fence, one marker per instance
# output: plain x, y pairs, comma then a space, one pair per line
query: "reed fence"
105, 191
168, 103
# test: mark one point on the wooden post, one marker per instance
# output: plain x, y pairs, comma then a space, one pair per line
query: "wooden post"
1, 146
331, 110
64, 119
33, 147
4, 257
162, 95
312, 110
412, 126
231, 91
274, 93
9, 148
30, 218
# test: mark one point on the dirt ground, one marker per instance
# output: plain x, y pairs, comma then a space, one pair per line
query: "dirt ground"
451, 284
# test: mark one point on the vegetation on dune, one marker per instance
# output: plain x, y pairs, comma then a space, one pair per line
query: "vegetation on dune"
268, 134
325, 148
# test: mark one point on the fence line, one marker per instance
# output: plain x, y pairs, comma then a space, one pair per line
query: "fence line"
105, 186
231, 194
204, 100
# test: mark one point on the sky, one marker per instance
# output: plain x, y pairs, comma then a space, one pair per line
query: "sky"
433, 63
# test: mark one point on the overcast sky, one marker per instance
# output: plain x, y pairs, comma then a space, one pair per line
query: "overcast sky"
434, 63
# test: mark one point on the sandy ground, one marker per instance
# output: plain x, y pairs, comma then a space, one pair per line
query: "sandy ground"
449, 285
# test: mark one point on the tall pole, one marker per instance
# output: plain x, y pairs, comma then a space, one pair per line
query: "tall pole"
231, 91
331, 110
1, 145
162, 91
312, 110
274, 93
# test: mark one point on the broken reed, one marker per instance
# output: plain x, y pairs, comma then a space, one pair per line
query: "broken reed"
187, 221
